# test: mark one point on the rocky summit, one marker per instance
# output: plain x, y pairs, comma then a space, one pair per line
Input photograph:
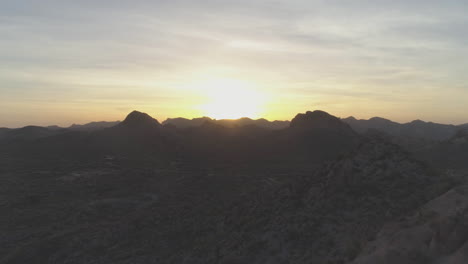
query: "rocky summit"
139, 120
318, 120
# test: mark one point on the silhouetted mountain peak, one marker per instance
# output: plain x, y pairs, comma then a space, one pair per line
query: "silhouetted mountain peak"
139, 119
318, 112
380, 119
350, 118
419, 122
318, 120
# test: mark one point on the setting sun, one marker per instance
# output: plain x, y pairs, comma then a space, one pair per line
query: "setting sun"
231, 99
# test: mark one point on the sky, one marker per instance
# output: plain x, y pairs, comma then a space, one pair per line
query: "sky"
64, 62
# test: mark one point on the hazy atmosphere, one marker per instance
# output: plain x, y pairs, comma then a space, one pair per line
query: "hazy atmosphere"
66, 62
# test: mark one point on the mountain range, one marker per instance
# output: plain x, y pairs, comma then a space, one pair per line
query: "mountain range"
416, 129
318, 189
230, 123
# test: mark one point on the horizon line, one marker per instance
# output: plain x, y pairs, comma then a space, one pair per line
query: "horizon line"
232, 119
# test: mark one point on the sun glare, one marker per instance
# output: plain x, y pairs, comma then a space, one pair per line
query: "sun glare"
232, 99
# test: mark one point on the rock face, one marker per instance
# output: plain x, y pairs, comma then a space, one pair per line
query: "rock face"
437, 233
360, 192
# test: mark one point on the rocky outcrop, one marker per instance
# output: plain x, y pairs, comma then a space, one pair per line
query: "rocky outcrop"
436, 234
136, 120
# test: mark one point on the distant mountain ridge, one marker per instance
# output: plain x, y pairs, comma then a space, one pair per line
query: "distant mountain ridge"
314, 136
415, 129
181, 122
28, 133
93, 126
229, 123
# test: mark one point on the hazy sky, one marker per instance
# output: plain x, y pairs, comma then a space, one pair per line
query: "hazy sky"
77, 61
